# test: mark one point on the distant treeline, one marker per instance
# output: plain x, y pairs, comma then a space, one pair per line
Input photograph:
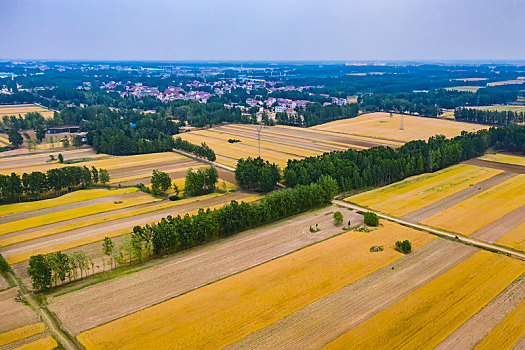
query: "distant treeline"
488, 117
202, 150
432, 102
380, 166
35, 184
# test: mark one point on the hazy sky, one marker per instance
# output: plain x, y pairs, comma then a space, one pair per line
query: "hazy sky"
262, 29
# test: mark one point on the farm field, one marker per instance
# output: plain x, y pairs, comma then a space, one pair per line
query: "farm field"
278, 143
481, 209
467, 88
45, 243
23, 109
379, 125
416, 192
427, 316
504, 108
228, 310
504, 158
188, 270
507, 82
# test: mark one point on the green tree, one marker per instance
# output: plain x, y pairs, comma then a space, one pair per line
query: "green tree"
4, 266
60, 158
371, 219
160, 182
40, 272
65, 142
338, 218
404, 246
107, 248
103, 176
15, 138
40, 133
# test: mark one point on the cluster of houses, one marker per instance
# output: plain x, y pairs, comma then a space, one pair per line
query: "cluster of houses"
202, 91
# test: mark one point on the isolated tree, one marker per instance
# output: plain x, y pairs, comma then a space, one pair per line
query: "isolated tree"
40, 133
160, 182
15, 138
371, 219
40, 272
60, 158
103, 176
107, 247
94, 174
404, 246
338, 218
65, 142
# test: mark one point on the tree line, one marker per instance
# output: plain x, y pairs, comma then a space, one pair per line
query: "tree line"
202, 150
35, 184
256, 174
493, 117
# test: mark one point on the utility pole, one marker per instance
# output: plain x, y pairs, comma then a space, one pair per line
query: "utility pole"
402, 121
259, 129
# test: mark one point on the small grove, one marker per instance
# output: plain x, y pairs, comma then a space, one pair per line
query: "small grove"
35, 184
481, 116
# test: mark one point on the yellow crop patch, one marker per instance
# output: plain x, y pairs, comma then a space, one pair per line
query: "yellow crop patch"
15, 259
73, 197
223, 312
40, 344
514, 239
507, 333
428, 315
72, 214
478, 211
21, 333
381, 125
419, 191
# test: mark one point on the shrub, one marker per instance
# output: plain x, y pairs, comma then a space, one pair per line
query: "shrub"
404, 247
338, 218
371, 219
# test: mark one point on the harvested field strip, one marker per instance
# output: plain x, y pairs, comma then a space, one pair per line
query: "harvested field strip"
272, 145
77, 196
507, 333
514, 239
40, 344
501, 226
46, 155
21, 333
224, 312
428, 315
147, 173
419, 191
504, 158
482, 209
64, 228
72, 214
44, 162
180, 182
15, 259
4, 141
324, 320
345, 135
313, 140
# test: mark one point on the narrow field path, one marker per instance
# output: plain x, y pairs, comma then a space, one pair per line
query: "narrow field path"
328, 318
53, 327
457, 237
458, 197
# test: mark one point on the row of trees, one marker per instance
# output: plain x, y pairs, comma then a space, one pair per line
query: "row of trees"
203, 150
35, 184
174, 234
380, 166
48, 270
493, 117
256, 174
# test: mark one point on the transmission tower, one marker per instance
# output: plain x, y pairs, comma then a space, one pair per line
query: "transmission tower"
259, 129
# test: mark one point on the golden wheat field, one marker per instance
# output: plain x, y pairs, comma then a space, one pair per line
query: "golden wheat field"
21, 333
47, 343
223, 312
480, 210
428, 315
418, 191
381, 125
23, 109
504, 158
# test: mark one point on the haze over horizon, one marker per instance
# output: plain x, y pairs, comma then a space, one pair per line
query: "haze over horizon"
234, 30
